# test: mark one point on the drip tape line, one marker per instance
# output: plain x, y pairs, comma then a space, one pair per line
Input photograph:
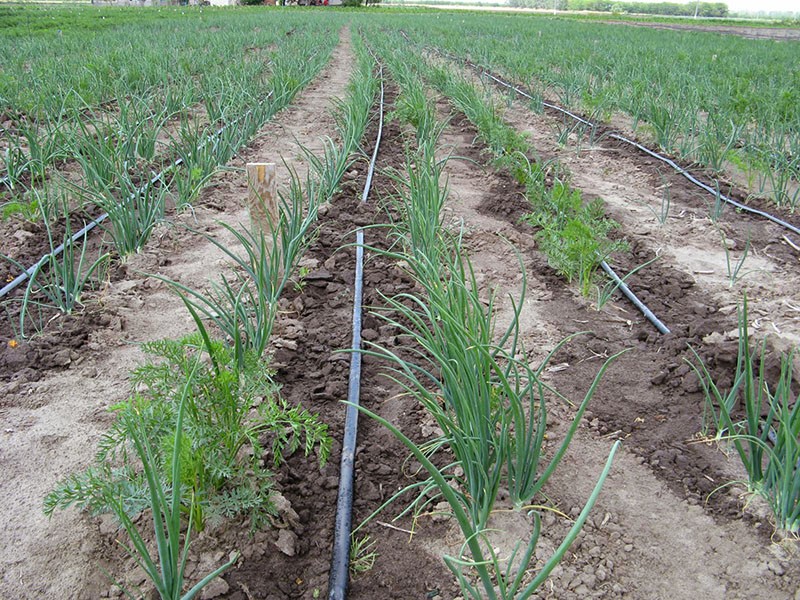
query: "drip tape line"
27, 273
634, 299
340, 559
708, 188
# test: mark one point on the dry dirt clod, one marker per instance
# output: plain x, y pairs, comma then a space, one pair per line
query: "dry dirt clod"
216, 588
62, 358
287, 542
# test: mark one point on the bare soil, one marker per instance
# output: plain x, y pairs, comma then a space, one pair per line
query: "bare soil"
658, 531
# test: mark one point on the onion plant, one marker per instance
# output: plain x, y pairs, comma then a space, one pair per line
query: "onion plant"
244, 307
60, 278
133, 211
494, 581
412, 105
475, 381
15, 165
329, 168
101, 154
46, 143
140, 123
760, 419
352, 114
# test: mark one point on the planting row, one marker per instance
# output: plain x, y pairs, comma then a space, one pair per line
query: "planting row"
475, 382
194, 443
574, 234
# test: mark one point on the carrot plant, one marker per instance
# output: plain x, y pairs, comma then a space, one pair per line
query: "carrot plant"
573, 234
231, 407
165, 505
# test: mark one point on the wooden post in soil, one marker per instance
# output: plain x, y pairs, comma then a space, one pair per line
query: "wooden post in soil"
262, 200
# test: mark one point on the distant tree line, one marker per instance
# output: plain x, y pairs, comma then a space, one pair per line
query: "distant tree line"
702, 9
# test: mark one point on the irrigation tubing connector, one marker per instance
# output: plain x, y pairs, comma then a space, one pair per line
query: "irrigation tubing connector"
27, 273
340, 560
716, 193
634, 299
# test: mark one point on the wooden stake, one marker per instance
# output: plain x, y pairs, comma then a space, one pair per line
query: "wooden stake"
262, 199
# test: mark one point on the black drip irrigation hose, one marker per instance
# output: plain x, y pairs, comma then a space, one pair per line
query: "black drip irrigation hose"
708, 188
340, 561
27, 273
634, 299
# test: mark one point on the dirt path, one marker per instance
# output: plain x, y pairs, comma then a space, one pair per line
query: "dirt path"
51, 426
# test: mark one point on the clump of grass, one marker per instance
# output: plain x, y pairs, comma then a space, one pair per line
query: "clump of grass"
734, 266
362, 554
605, 293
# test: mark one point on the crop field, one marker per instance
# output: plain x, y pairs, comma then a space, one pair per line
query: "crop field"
514, 313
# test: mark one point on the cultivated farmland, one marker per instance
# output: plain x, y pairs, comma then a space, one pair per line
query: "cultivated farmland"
178, 356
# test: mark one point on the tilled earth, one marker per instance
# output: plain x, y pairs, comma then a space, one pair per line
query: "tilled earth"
664, 527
